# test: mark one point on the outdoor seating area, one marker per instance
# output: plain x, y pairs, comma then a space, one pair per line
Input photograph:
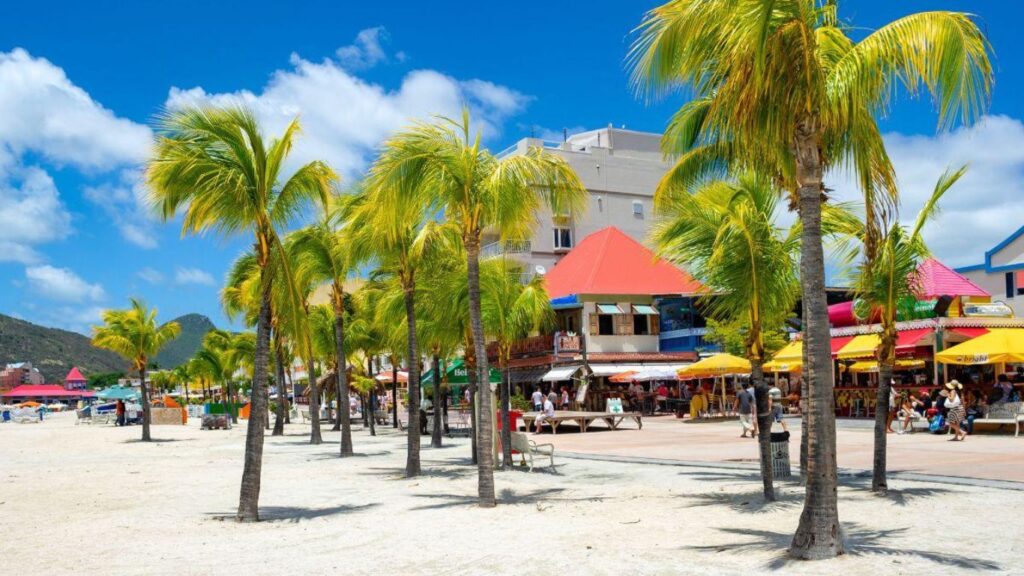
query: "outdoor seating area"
582, 420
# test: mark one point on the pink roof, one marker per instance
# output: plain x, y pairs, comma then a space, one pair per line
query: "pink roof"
610, 262
46, 390
936, 279
74, 375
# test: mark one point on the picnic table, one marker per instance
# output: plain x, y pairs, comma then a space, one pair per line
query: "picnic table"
584, 419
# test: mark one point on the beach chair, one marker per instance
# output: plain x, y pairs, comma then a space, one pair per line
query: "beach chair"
26, 416
527, 448
83, 416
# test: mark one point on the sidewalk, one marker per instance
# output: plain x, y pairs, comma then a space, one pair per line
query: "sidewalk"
991, 456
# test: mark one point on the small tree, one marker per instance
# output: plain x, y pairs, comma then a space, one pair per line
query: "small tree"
134, 334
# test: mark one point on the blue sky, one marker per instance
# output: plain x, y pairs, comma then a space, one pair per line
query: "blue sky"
80, 82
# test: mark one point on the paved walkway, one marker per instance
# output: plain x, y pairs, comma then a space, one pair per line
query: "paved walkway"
991, 456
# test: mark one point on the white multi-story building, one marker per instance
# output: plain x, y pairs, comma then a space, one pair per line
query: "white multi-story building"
620, 168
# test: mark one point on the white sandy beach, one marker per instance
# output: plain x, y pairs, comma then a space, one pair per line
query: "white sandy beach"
94, 500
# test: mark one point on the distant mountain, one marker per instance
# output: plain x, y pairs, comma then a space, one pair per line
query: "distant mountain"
53, 351
193, 328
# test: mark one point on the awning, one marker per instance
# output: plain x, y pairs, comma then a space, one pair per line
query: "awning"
644, 309
716, 365
872, 365
998, 346
907, 340
612, 369
527, 375
560, 373
838, 342
609, 309
969, 332
862, 346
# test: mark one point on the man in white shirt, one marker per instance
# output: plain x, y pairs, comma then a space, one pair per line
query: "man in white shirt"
538, 400
549, 412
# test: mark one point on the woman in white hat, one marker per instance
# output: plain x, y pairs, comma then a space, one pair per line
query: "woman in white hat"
956, 411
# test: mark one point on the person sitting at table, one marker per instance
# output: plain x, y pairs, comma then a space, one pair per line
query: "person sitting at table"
547, 413
660, 396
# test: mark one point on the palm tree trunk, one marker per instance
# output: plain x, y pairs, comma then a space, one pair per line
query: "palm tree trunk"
472, 384
314, 404
249, 495
886, 359
803, 402
369, 415
764, 427
506, 425
435, 435
818, 535
394, 392
412, 462
281, 403
291, 387
231, 403
485, 443
145, 404
343, 414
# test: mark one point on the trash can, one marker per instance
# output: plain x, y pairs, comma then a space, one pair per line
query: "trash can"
780, 455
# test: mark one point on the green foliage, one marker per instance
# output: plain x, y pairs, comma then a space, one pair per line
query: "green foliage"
133, 333
103, 379
732, 335
193, 328
520, 403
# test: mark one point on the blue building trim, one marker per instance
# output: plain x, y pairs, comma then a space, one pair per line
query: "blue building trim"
987, 265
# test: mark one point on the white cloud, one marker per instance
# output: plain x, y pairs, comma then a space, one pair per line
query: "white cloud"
124, 201
47, 116
345, 118
150, 275
983, 208
44, 112
366, 51
62, 284
193, 276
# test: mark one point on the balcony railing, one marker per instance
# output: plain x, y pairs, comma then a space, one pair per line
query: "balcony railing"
505, 247
544, 344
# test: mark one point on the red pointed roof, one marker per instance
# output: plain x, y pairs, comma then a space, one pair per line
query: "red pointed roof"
610, 262
936, 279
74, 375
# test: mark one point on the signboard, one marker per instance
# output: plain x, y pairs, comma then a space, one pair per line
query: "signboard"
614, 406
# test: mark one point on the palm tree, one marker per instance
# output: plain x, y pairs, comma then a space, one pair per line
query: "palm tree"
511, 311
725, 233
780, 88
321, 253
443, 166
215, 166
887, 283
395, 234
134, 334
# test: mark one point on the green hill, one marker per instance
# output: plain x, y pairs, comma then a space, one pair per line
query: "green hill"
53, 351
193, 328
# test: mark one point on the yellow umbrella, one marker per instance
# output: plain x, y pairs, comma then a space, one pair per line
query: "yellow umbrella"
717, 365
788, 359
998, 346
872, 365
862, 346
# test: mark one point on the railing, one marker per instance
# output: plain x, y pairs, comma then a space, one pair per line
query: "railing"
540, 345
505, 247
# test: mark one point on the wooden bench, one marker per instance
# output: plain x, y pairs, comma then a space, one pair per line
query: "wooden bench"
582, 419
1004, 413
527, 448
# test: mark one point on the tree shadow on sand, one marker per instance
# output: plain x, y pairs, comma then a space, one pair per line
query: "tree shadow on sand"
398, 472
751, 501
156, 440
859, 541
506, 496
295, 514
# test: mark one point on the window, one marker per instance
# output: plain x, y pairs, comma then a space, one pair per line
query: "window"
1010, 285
640, 325
609, 309
644, 309
563, 238
606, 325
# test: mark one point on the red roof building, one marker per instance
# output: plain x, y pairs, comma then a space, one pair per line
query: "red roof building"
74, 380
935, 279
608, 262
42, 392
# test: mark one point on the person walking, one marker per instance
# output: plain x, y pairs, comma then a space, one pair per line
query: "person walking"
119, 412
743, 407
956, 413
775, 407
